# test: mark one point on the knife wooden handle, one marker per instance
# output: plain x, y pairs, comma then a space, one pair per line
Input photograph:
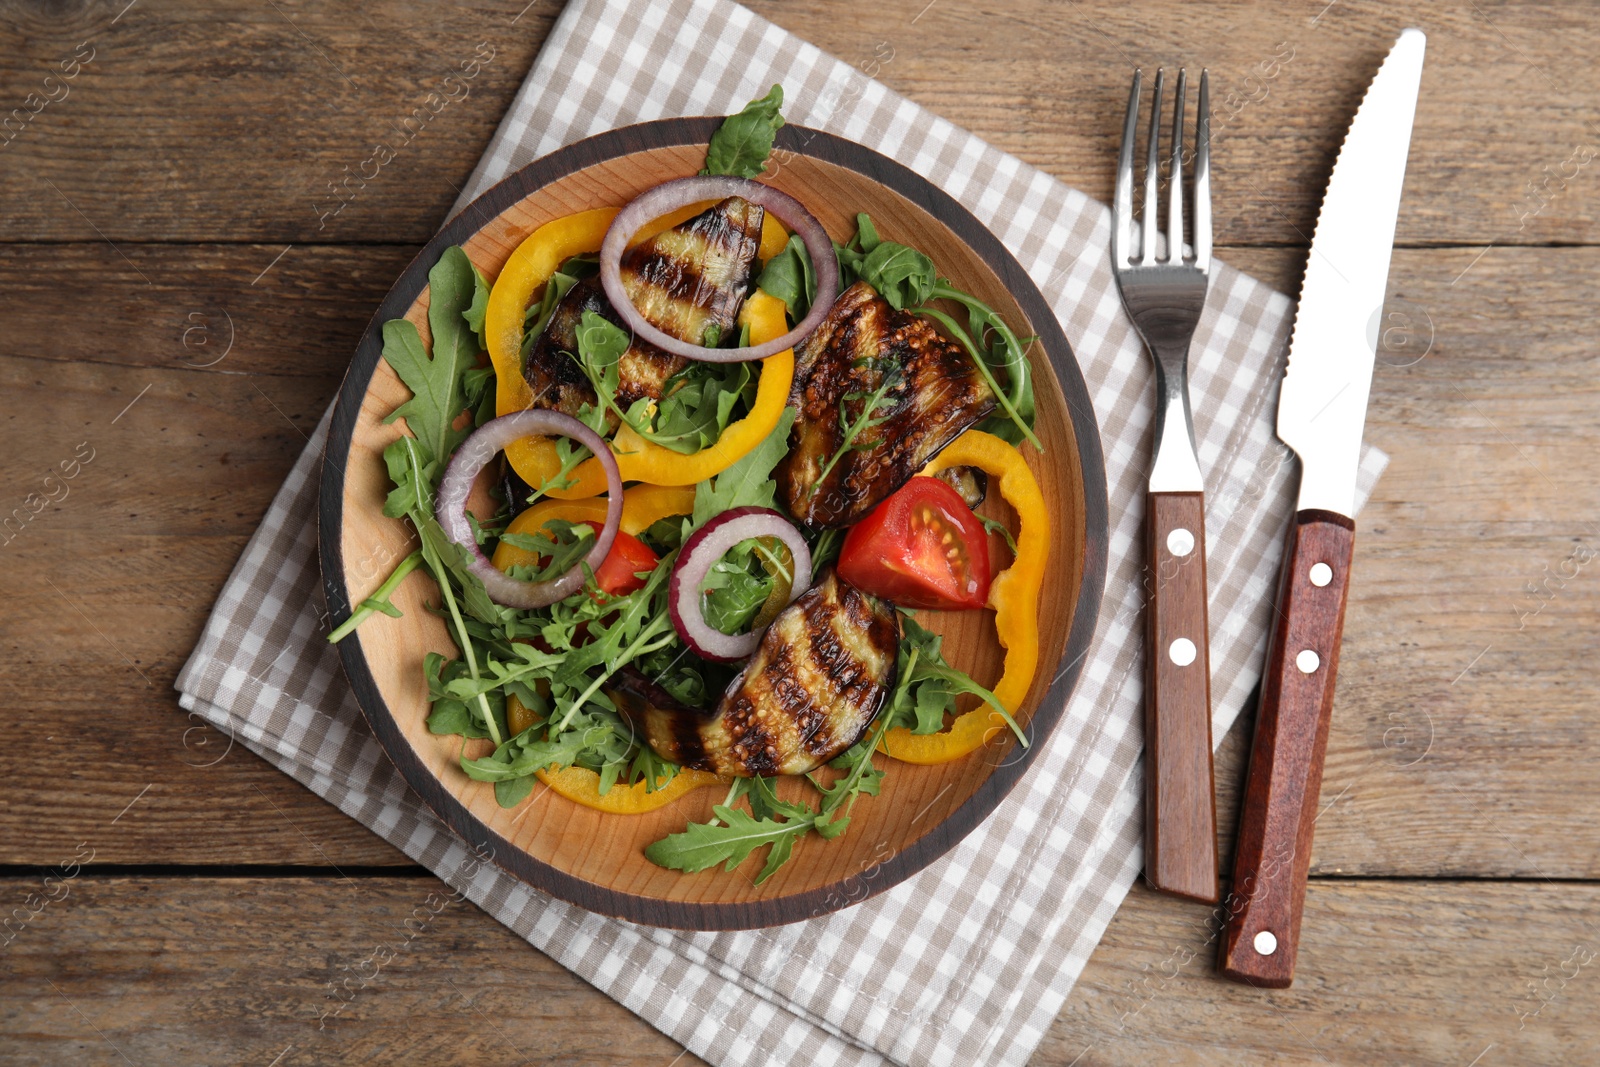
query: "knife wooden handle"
1279, 809
1180, 840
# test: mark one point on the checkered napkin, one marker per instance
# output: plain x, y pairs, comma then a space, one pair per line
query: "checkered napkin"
969, 961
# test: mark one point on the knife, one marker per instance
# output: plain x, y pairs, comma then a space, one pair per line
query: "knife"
1322, 407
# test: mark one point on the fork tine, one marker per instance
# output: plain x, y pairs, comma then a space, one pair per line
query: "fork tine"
1202, 178
1175, 181
1122, 202
1152, 176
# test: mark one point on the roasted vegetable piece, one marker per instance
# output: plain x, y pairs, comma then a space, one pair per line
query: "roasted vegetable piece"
822, 672
690, 280
558, 381
879, 392
971, 483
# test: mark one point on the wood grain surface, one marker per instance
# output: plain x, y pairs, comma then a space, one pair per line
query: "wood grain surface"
1283, 780
177, 187
1180, 797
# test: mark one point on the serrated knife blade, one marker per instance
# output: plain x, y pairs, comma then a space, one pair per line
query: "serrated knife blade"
1321, 411
1323, 403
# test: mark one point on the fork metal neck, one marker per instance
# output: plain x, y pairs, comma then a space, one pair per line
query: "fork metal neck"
1175, 468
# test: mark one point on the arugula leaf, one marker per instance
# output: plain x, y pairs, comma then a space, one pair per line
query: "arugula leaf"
825, 549
520, 756
509, 792
453, 286
538, 317
475, 386
475, 312
764, 803
651, 769
901, 275
928, 686
996, 526
436, 392
438, 395
699, 403
601, 344
559, 544
379, 600
408, 494
1021, 392
790, 277
735, 589
742, 143
703, 845
866, 233
748, 481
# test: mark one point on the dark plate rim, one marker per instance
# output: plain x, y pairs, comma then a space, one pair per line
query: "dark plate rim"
926, 849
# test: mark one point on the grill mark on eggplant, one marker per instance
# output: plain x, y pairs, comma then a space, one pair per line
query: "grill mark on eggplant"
814, 731
862, 340
694, 276
828, 650
821, 674
552, 371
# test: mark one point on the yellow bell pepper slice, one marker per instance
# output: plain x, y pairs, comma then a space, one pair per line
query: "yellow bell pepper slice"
534, 458
582, 786
1013, 594
642, 507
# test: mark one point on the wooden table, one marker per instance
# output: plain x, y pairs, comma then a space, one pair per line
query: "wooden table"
177, 316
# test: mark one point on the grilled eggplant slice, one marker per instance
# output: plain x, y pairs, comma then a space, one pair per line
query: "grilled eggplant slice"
553, 373
824, 669
689, 281
933, 394
970, 483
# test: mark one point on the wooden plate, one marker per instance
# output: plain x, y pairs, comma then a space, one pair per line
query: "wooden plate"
596, 860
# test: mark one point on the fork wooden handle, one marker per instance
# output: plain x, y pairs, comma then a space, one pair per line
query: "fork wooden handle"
1261, 932
1180, 840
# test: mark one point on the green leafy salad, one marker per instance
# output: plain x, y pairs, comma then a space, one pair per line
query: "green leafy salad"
536, 690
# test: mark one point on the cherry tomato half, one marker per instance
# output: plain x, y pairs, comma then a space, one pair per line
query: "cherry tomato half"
921, 548
629, 556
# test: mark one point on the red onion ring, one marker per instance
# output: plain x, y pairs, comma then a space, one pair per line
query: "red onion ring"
679, 192
701, 552
474, 454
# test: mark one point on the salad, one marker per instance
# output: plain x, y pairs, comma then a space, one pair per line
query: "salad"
680, 515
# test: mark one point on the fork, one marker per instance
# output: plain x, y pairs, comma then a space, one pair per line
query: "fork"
1163, 287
